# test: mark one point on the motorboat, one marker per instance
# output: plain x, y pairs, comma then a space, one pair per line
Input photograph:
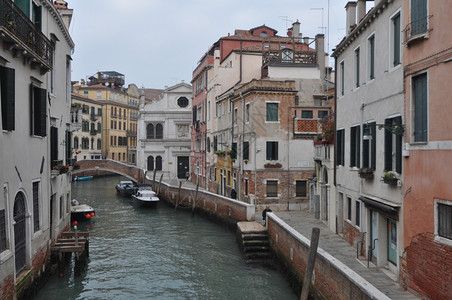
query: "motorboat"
126, 188
145, 196
81, 212
83, 178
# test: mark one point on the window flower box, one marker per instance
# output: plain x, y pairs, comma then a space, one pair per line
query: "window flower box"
366, 173
390, 177
390, 181
272, 165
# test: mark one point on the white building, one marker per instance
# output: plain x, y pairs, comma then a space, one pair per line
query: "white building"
370, 95
164, 133
35, 80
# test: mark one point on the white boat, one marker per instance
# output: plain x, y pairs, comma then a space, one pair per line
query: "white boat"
81, 212
145, 197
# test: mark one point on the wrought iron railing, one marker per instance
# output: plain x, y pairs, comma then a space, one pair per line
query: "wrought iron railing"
417, 28
299, 57
20, 26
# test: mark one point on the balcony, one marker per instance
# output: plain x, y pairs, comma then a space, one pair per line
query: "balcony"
20, 35
131, 133
417, 30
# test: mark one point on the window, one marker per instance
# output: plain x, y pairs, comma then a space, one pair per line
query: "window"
272, 112
322, 114
35, 206
300, 188
3, 239
357, 67
287, 55
7, 87
349, 208
150, 131
418, 17
159, 131
272, 188
420, 108
24, 6
393, 147
247, 112
272, 151
38, 111
340, 148
342, 79
307, 114
61, 206
99, 94
158, 163
355, 137
53, 143
246, 150
150, 163
370, 148
246, 187
395, 40
99, 144
75, 142
444, 220
358, 213
233, 151
235, 116
371, 60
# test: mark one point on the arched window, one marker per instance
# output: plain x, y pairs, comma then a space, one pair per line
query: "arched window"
150, 131
99, 144
20, 232
159, 131
150, 163
158, 163
92, 143
287, 55
75, 142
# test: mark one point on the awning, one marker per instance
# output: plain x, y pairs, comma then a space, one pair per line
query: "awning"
390, 210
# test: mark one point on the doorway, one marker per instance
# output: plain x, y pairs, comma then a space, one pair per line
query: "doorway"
183, 163
20, 242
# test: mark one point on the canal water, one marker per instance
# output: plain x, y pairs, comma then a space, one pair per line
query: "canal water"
157, 253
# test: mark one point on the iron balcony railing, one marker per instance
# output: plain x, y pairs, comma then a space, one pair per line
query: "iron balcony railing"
20, 29
417, 29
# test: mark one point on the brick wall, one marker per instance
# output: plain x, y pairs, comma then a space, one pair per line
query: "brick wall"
426, 267
7, 288
351, 233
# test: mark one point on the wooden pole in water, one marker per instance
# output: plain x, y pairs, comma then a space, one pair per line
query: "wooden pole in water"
178, 196
153, 177
315, 235
194, 199
160, 182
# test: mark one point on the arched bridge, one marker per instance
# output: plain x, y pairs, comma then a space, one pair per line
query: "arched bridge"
107, 165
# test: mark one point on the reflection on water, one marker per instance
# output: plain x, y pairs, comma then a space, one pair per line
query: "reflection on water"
157, 253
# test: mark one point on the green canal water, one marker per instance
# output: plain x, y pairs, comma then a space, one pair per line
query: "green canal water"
157, 253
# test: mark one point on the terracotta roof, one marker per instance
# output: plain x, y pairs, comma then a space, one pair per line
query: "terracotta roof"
151, 94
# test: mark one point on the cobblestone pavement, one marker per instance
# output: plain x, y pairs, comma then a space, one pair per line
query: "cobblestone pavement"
304, 221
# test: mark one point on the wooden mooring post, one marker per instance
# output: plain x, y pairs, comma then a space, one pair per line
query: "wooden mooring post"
310, 264
178, 196
76, 242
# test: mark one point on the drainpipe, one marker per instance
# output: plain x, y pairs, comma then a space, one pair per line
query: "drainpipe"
335, 124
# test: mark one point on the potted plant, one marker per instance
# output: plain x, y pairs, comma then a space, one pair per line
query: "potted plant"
64, 169
76, 166
245, 161
219, 152
366, 173
273, 165
390, 177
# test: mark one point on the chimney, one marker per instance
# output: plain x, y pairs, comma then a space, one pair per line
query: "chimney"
350, 10
306, 40
320, 49
360, 10
296, 30
65, 12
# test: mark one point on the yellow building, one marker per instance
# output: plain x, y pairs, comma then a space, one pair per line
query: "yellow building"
120, 113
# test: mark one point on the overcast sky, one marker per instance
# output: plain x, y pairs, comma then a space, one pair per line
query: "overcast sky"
158, 43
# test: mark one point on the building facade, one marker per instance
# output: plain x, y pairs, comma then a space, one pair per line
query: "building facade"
35, 148
86, 114
163, 146
427, 213
370, 124
120, 113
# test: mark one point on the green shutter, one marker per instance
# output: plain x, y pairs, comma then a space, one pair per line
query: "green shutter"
388, 146
8, 97
420, 108
396, 28
373, 147
42, 112
352, 146
246, 150
418, 16
398, 120
53, 143
24, 6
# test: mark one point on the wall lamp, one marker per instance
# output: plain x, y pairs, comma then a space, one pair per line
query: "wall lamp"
397, 129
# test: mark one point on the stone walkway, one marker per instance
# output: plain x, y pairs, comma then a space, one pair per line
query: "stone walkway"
303, 222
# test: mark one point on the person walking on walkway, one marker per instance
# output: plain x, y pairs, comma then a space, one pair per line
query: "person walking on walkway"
264, 214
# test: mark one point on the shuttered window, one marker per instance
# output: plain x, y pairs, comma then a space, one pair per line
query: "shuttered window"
38, 118
340, 148
420, 107
158, 163
300, 188
54, 144
370, 148
396, 40
150, 163
3, 240
445, 220
7, 86
150, 131
246, 150
272, 112
272, 188
393, 144
355, 146
418, 16
357, 67
36, 206
372, 57
159, 131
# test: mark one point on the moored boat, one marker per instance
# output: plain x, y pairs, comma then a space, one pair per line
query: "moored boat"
83, 178
145, 196
126, 188
81, 212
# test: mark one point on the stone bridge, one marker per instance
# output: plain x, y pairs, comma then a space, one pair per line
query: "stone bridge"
94, 166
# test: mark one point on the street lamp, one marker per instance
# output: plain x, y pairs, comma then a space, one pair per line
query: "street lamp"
397, 129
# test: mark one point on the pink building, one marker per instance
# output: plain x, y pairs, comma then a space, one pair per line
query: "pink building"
427, 203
